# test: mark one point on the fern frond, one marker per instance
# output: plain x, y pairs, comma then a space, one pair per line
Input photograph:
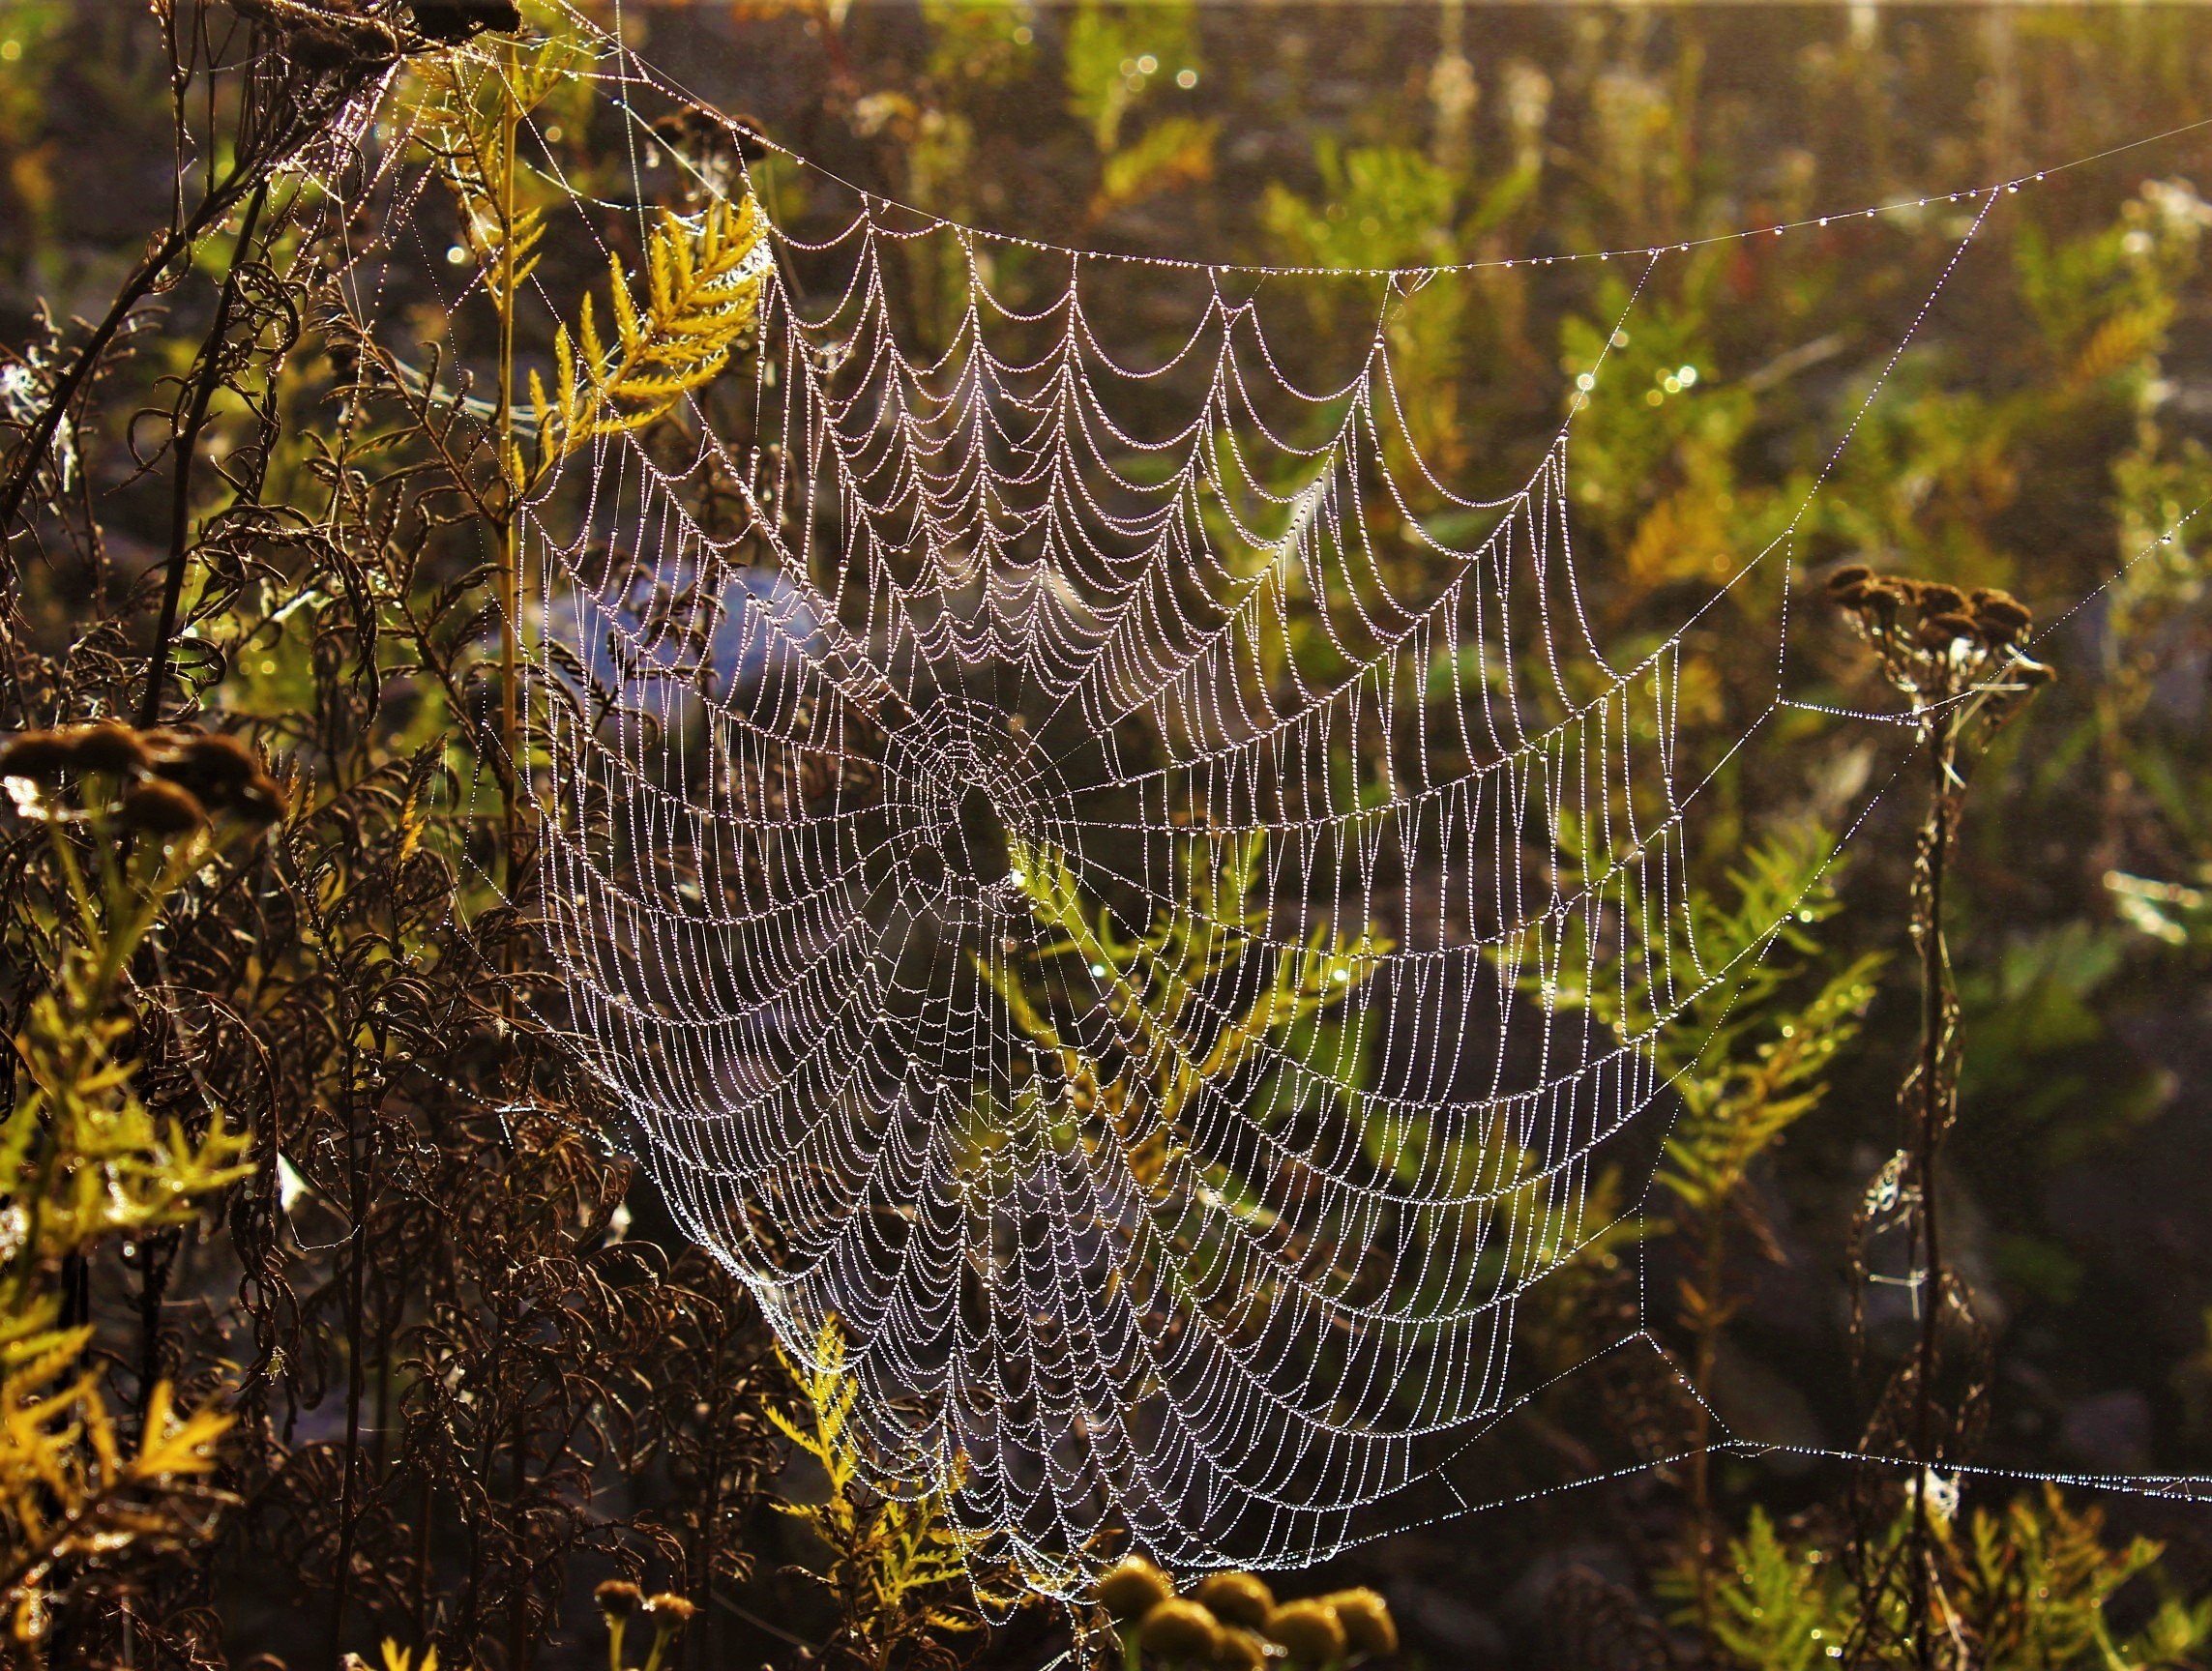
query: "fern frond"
701, 304
895, 1559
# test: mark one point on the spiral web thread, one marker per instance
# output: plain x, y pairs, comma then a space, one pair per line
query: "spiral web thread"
862, 796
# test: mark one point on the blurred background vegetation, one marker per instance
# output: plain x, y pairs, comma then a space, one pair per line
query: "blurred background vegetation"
470, 1368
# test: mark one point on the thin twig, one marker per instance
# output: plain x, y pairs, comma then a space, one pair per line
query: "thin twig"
187, 451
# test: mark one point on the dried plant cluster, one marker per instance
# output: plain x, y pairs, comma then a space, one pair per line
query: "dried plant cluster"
1232, 1619
322, 1326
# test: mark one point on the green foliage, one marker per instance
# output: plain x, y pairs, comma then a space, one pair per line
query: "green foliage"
1388, 206
2031, 436
702, 273
2031, 1027
471, 110
1380, 206
83, 1162
1711, 997
1114, 54
1735, 1012
1782, 1608
2026, 1588
898, 1570
979, 42
1750, 1056
1657, 460
1160, 984
1172, 152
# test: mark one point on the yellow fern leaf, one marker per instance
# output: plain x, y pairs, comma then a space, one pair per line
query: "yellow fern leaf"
2122, 342
703, 294
173, 1445
625, 326
792, 1431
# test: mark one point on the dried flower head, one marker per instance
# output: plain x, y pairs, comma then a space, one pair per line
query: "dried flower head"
322, 51
1133, 1588
1365, 1618
161, 809
40, 756
204, 760
1239, 1598
1886, 595
261, 801
1240, 1650
1956, 657
108, 746
618, 1598
1936, 599
1941, 631
221, 771
672, 1608
2000, 615
1309, 1630
1180, 1629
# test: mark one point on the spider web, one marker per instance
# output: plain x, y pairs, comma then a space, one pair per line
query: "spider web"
1074, 863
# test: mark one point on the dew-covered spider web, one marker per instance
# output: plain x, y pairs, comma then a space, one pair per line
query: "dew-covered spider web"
1082, 861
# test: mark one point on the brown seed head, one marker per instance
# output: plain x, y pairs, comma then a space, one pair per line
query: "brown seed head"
261, 802
1133, 1588
1940, 599
1848, 579
373, 43
1309, 1630
161, 809
219, 769
218, 758
1239, 1598
319, 50
108, 746
1884, 595
1240, 1650
751, 134
618, 1598
1939, 632
38, 755
1180, 1629
674, 1609
1365, 1618
2002, 615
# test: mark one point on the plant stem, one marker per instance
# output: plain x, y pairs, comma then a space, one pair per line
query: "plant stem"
222, 194
360, 1161
510, 575
188, 449
156, 1256
15, 487
1934, 1110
